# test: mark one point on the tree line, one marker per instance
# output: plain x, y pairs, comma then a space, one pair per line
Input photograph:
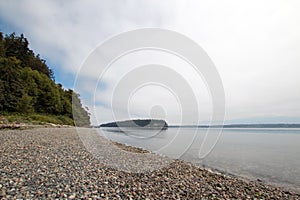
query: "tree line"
27, 84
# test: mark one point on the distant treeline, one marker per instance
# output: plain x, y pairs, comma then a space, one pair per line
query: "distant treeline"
138, 123
262, 126
242, 126
27, 84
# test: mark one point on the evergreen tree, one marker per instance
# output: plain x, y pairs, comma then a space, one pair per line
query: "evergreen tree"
25, 105
27, 84
19, 47
11, 84
2, 49
80, 115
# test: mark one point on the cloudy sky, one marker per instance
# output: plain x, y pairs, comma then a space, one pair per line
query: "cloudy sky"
255, 46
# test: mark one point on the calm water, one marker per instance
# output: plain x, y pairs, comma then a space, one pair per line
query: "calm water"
272, 155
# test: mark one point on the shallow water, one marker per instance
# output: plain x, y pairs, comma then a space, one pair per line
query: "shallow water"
272, 155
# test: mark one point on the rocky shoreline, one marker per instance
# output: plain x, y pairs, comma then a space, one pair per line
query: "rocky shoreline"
23, 126
53, 163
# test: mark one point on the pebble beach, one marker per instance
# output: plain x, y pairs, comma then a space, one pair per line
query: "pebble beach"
54, 163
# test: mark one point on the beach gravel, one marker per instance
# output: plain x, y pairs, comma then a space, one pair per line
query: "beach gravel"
54, 163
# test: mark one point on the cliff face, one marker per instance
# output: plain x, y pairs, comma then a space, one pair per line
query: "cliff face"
139, 123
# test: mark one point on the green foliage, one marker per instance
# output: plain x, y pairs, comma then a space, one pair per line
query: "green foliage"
25, 105
36, 118
27, 86
18, 46
2, 49
81, 116
11, 86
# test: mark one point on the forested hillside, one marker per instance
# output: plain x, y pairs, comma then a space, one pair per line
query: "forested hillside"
27, 84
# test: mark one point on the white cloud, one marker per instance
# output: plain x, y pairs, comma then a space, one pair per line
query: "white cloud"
254, 44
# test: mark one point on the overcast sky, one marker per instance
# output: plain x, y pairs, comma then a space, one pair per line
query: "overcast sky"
255, 46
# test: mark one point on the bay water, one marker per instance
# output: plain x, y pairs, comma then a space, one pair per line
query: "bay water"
269, 154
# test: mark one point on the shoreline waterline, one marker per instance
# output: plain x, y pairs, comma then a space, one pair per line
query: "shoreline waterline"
269, 155
54, 163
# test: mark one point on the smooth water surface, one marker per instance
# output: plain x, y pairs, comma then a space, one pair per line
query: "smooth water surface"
272, 155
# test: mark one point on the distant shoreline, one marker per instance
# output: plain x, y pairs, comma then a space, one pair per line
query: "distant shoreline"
281, 125
263, 125
137, 124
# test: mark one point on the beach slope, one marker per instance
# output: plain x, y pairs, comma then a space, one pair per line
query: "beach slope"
51, 163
